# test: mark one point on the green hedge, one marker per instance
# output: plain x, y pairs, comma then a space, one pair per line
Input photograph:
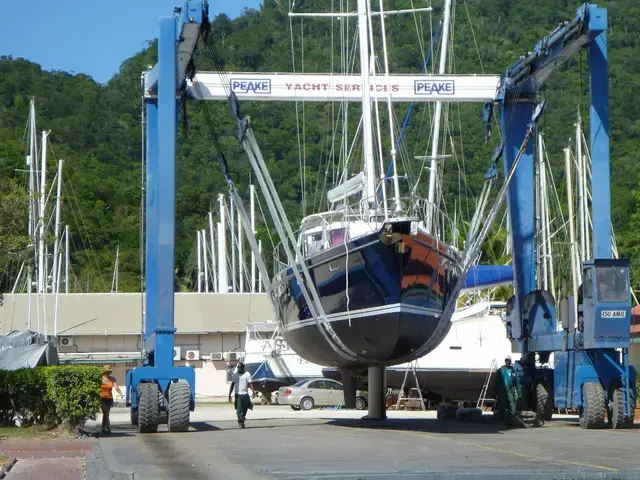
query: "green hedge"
68, 395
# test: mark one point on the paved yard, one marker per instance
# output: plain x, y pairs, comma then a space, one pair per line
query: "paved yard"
282, 444
48, 469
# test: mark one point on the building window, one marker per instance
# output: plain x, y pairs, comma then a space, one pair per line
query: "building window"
230, 370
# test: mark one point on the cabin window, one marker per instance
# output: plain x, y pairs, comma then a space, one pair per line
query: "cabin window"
314, 243
587, 285
612, 284
338, 236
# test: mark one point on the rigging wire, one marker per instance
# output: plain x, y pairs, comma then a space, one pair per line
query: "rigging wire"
300, 153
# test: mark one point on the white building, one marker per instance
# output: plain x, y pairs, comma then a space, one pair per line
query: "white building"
104, 328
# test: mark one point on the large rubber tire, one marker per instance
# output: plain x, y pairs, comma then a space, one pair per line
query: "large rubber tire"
615, 410
361, 403
148, 411
307, 403
179, 407
544, 401
592, 413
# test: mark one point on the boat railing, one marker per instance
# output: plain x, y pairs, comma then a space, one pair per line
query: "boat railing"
322, 224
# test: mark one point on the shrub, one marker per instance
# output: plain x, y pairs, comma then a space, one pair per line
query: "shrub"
75, 392
67, 395
27, 391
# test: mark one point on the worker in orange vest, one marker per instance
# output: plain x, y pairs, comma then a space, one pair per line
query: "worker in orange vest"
106, 396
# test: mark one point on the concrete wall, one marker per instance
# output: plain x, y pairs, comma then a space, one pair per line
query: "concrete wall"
121, 352
103, 325
205, 343
120, 313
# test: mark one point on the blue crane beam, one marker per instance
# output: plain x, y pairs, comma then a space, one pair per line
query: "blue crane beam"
190, 20
528, 74
519, 86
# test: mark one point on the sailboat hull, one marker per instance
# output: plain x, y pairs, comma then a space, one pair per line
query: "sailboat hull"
383, 294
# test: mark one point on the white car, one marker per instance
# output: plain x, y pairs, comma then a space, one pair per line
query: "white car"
317, 392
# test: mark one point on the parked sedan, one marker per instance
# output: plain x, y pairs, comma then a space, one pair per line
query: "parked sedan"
310, 393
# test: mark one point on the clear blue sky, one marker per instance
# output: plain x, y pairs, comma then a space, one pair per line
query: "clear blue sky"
89, 36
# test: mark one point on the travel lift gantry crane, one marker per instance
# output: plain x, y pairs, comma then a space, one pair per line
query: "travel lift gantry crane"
591, 371
158, 387
587, 364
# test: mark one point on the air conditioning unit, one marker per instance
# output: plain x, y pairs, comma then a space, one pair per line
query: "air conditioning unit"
177, 353
217, 356
65, 341
232, 356
192, 355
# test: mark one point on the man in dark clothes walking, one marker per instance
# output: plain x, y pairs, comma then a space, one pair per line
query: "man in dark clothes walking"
242, 382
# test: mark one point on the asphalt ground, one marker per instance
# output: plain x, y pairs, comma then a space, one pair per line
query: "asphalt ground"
279, 443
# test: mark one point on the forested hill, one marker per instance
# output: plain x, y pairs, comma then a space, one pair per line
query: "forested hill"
96, 128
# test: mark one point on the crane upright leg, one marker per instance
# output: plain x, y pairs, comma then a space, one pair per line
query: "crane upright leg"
159, 387
599, 133
515, 119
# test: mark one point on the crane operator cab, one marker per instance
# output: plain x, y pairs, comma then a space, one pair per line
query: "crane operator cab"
604, 306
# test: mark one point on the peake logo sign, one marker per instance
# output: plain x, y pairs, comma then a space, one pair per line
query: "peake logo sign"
434, 88
255, 86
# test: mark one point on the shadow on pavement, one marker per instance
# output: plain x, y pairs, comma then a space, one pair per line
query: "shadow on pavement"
204, 427
425, 425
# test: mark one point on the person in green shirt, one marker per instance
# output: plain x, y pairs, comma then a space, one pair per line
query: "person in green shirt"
508, 389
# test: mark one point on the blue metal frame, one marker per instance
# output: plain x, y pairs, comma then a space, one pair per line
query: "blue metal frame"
574, 368
515, 118
178, 37
599, 132
151, 224
587, 355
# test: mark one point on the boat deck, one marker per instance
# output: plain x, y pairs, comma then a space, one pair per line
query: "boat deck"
282, 444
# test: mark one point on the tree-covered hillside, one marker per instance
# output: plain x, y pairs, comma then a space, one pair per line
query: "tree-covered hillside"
97, 129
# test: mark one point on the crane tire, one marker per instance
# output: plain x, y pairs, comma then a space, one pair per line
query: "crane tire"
148, 408
179, 407
615, 410
544, 401
592, 412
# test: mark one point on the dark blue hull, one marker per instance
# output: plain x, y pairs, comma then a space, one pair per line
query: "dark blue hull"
384, 299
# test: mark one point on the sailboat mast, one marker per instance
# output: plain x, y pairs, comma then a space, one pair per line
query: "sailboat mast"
396, 184
199, 262
433, 172
252, 194
213, 255
66, 259
205, 259
543, 213
367, 135
581, 194
572, 236
56, 229
31, 158
223, 282
43, 198
232, 230
114, 281
240, 256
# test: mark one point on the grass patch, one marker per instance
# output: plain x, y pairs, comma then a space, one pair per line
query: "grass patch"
4, 459
35, 433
